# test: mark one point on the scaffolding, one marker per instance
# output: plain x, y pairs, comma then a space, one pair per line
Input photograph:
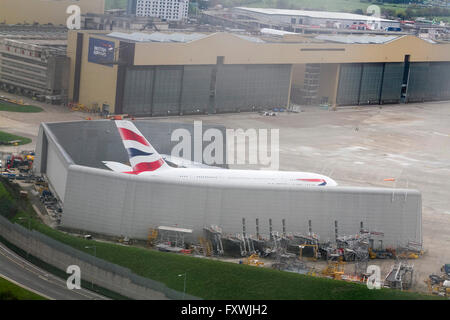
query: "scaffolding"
171, 239
400, 277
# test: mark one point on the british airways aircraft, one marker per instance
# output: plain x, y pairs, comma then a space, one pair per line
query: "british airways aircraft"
146, 161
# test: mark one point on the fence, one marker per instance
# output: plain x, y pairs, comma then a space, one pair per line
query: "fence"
102, 273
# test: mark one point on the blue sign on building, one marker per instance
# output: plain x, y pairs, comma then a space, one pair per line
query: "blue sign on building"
101, 51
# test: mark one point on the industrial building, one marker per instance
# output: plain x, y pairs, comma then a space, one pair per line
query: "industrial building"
283, 18
170, 10
35, 68
121, 22
159, 74
100, 201
42, 12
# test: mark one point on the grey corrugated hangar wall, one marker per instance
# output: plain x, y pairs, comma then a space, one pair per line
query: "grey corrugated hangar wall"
378, 83
115, 204
100, 201
177, 90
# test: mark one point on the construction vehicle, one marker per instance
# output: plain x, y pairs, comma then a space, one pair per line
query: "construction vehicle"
253, 261
380, 254
408, 255
334, 269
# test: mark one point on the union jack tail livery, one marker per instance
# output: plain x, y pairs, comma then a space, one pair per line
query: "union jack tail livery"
143, 157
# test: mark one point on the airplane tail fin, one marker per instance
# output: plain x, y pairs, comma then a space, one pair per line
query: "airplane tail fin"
143, 157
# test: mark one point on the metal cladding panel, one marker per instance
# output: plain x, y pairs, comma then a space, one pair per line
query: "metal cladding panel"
418, 82
392, 82
56, 170
439, 76
429, 81
371, 83
349, 84
251, 87
166, 91
138, 91
41, 149
116, 204
196, 89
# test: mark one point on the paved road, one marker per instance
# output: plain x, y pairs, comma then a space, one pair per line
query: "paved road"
16, 269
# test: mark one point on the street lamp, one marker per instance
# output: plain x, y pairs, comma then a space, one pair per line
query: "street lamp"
185, 277
95, 255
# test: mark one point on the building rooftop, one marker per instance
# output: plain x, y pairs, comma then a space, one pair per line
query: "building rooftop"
157, 36
357, 39
314, 14
40, 42
32, 32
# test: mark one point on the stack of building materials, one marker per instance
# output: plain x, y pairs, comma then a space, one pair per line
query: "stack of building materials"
400, 277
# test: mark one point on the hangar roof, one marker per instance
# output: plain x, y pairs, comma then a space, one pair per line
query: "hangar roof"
169, 37
314, 14
158, 36
355, 39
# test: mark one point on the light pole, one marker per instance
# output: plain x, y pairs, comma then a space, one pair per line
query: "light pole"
185, 277
95, 255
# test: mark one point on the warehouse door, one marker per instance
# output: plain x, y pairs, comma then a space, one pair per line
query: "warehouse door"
349, 84
392, 83
371, 83
195, 89
418, 86
138, 91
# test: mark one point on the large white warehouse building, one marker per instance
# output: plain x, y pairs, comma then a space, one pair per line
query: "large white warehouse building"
314, 18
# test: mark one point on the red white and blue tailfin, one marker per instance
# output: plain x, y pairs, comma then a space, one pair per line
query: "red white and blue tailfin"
143, 157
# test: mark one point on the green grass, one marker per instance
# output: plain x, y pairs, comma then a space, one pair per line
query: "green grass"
10, 291
445, 19
210, 279
19, 108
7, 137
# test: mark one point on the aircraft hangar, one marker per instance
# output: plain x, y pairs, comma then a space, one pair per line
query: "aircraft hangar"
100, 201
161, 74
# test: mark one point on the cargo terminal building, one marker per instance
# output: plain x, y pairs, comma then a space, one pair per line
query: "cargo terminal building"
160, 74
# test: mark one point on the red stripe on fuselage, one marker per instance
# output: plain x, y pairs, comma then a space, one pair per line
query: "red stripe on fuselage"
312, 180
130, 135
